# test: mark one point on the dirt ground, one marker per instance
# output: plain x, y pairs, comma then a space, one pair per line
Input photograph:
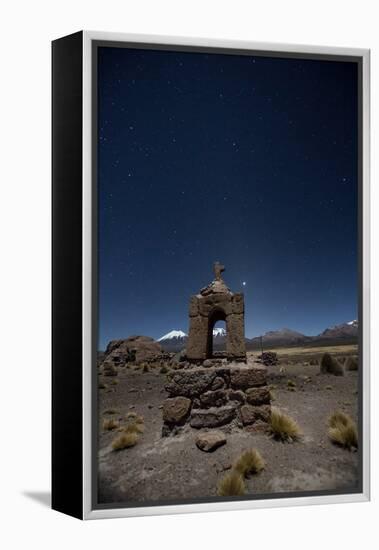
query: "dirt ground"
173, 468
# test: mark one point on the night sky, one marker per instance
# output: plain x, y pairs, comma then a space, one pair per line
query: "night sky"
251, 161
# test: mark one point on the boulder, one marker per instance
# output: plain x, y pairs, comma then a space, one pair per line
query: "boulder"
247, 377
136, 349
212, 418
251, 414
176, 410
258, 396
210, 441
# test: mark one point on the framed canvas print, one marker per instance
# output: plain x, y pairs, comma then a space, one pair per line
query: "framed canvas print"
210, 275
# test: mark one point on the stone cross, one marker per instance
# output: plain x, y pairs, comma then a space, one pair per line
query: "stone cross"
218, 269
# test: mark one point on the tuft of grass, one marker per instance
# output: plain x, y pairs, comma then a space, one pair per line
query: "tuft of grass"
283, 427
110, 424
145, 368
111, 411
164, 370
330, 365
124, 441
134, 427
343, 430
114, 382
291, 384
232, 484
250, 462
328, 387
351, 364
131, 414
102, 386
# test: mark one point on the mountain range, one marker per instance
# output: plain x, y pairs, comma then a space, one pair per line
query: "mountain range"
345, 333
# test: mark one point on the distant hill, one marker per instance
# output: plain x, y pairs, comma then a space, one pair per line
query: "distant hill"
345, 333
339, 334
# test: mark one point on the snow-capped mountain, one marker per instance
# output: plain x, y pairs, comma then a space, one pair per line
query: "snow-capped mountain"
343, 331
175, 340
173, 335
219, 332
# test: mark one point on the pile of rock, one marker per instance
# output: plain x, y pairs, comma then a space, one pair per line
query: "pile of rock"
210, 397
136, 350
269, 358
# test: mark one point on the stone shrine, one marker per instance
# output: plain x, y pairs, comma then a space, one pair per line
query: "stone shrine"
216, 303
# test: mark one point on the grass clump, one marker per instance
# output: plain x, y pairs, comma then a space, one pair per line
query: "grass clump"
145, 368
134, 427
164, 370
124, 441
291, 384
330, 365
343, 430
110, 424
250, 462
232, 484
283, 427
111, 411
351, 364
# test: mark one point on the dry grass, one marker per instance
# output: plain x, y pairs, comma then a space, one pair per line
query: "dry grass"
164, 370
284, 427
124, 441
250, 462
134, 427
110, 424
102, 386
111, 411
145, 368
343, 430
131, 414
291, 384
351, 364
232, 484
330, 365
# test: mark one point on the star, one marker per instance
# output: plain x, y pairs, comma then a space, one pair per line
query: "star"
243, 283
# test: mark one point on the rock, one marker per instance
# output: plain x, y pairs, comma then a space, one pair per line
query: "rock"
218, 383
189, 383
212, 418
251, 414
176, 410
237, 395
109, 369
207, 363
136, 349
258, 396
210, 441
216, 398
246, 377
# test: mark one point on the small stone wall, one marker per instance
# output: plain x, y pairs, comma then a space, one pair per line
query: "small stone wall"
217, 396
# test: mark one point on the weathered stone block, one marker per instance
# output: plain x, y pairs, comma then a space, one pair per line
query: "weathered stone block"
218, 383
189, 383
212, 418
251, 414
194, 306
237, 395
238, 303
176, 410
246, 377
216, 398
258, 396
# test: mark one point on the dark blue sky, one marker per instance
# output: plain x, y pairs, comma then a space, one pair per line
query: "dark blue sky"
248, 160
